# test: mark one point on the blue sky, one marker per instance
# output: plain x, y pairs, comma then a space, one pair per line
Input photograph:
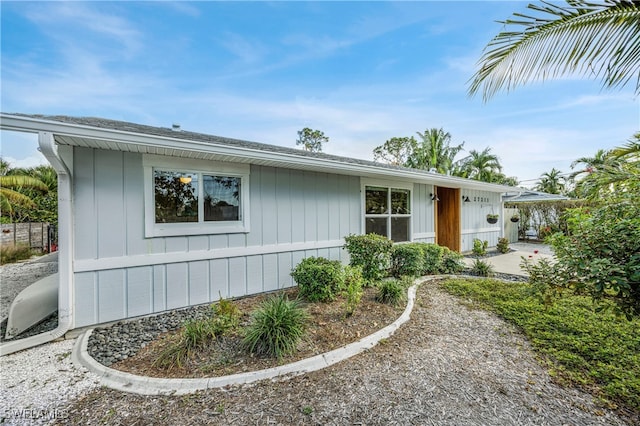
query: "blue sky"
362, 72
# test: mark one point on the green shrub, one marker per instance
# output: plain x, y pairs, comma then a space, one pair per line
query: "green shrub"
11, 254
480, 247
276, 327
407, 259
451, 261
432, 262
482, 268
600, 255
226, 308
353, 283
392, 291
503, 245
318, 279
372, 252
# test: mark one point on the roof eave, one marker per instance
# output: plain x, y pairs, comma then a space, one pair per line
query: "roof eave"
132, 141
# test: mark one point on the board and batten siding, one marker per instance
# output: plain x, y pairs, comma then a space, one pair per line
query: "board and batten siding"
119, 273
423, 214
474, 218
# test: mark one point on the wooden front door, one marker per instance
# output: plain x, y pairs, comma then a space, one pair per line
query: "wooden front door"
447, 211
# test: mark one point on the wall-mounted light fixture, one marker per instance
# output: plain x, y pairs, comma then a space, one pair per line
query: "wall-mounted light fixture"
465, 198
434, 197
185, 179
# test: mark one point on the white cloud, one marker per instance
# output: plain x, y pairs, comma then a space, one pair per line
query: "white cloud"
53, 18
28, 162
247, 50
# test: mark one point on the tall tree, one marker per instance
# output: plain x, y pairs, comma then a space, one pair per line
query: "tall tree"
311, 140
596, 39
395, 151
481, 165
434, 151
551, 182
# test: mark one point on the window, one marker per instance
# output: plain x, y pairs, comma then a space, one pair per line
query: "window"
388, 212
192, 200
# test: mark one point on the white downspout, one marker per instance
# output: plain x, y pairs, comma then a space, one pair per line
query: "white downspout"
65, 252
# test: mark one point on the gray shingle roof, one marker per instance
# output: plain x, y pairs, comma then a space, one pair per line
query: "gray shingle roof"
183, 135
199, 137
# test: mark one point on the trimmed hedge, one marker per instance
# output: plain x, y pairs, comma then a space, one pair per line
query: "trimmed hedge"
407, 259
372, 252
319, 279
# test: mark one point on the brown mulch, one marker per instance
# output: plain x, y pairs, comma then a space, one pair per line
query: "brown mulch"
328, 328
448, 365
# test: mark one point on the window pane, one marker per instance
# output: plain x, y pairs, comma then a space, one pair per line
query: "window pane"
221, 198
400, 201
376, 200
376, 225
176, 196
400, 229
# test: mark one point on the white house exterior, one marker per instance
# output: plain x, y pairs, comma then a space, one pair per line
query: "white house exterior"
253, 212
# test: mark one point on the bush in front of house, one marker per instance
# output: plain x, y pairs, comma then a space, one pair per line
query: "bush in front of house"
451, 262
353, 283
318, 279
432, 258
480, 247
276, 327
372, 252
503, 245
407, 259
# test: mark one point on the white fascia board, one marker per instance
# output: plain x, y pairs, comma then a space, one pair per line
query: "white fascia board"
120, 137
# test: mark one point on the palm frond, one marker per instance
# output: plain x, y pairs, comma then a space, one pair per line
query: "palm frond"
22, 181
15, 198
601, 40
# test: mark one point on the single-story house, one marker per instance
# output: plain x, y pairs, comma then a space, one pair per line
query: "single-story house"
153, 219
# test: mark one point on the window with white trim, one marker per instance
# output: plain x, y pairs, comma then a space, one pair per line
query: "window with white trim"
388, 212
195, 197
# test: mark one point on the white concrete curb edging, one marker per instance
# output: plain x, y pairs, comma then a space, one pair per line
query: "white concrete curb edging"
142, 385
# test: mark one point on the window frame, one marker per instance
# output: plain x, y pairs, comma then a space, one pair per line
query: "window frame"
199, 167
389, 185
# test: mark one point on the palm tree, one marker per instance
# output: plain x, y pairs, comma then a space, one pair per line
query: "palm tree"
10, 187
582, 37
617, 177
482, 166
551, 182
433, 151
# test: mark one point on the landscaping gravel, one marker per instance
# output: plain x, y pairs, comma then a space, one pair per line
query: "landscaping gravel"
39, 383
119, 341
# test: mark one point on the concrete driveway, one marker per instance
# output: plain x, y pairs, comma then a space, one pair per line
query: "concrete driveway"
509, 263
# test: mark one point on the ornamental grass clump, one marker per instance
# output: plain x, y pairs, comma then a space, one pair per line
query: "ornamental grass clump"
482, 268
393, 291
276, 327
197, 333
